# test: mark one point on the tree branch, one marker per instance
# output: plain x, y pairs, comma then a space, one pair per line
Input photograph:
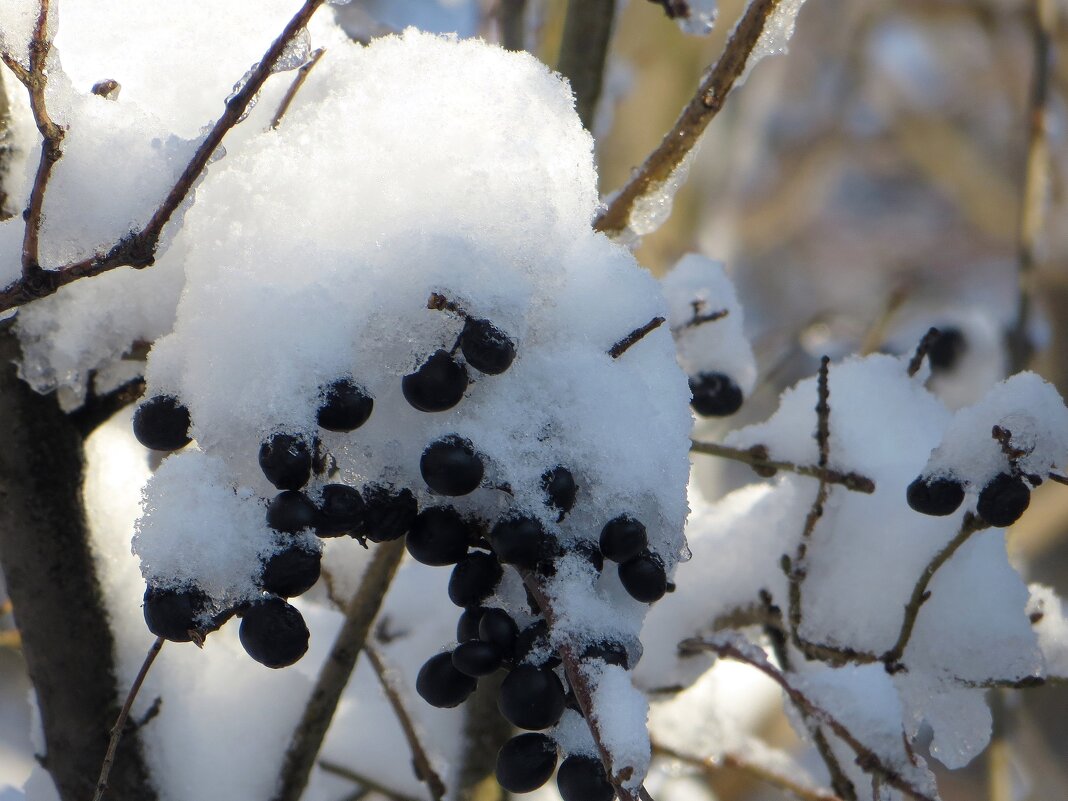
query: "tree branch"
298, 82
138, 249
757, 457
584, 50
699, 112
510, 14
867, 760
98, 409
308, 737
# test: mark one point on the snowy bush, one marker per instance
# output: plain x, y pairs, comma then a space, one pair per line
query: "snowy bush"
400, 434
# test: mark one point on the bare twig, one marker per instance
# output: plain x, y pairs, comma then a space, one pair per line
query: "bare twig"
714, 765
634, 337
360, 614
700, 317
699, 112
98, 409
924, 345
363, 781
758, 458
583, 51
578, 683
1033, 206
970, 525
867, 759
420, 761
120, 724
138, 249
298, 82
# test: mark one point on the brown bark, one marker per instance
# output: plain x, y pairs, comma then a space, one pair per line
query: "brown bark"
48, 567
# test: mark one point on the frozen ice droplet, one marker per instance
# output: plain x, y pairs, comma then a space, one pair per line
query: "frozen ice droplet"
295, 53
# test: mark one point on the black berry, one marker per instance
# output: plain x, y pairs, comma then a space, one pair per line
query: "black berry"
273, 633
477, 658
439, 536
644, 577
450, 466
935, 496
590, 552
292, 511
496, 626
1003, 500
174, 613
715, 395
345, 406
286, 460
437, 385
474, 579
342, 511
623, 538
440, 684
486, 347
467, 625
162, 423
582, 778
521, 541
560, 489
531, 698
526, 762
388, 512
291, 571
612, 653
532, 647
945, 350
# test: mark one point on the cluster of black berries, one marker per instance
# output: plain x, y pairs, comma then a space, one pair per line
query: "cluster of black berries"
1002, 500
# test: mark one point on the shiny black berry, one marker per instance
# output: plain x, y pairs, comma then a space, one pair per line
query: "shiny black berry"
521, 541
439, 536
644, 577
560, 489
342, 511
715, 395
291, 571
450, 466
945, 350
388, 512
467, 625
345, 407
1003, 500
162, 423
532, 647
273, 633
935, 496
582, 778
437, 385
612, 653
496, 626
286, 460
474, 579
174, 613
526, 762
531, 698
477, 658
623, 538
440, 684
486, 347
292, 511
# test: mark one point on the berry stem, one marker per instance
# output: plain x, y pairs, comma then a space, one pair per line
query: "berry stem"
634, 337
120, 723
584, 696
308, 737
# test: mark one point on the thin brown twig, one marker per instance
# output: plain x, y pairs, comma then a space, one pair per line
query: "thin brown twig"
421, 761
120, 724
360, 613
698, 113
922, 348
634, 337
138, 249
867, 759
713, 765
363, 781
1035, 187
700, 317
969, 526
294, 87
757, 457
580, 686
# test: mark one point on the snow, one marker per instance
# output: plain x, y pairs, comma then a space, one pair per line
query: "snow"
775, 38
1051, 627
